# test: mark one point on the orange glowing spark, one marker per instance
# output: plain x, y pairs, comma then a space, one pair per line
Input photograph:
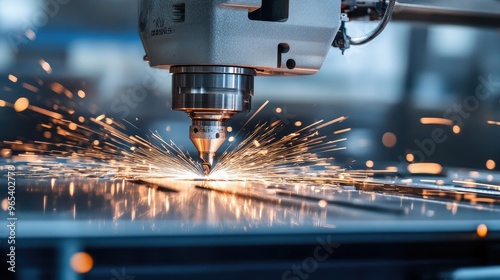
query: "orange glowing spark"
295, 156
30, 87
5, 204
100, 118
256, 112
441, 121
57, 88
71, 188
494, 122
337, 120
425, 168
6, 152
45, 112
21, 104
72, 126
389, 139
45, 66
13, 78
342, 131
410, 157
456, 129
262, 154
68, 93
482, 230
391, 169
81, 262
81, 94
490, 164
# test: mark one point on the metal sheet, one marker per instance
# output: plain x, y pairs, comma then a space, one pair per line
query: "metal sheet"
70, 207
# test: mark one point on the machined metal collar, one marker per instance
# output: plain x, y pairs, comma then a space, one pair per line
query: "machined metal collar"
224, 90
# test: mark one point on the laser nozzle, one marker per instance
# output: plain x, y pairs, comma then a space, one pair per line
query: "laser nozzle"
206, 168
207, 137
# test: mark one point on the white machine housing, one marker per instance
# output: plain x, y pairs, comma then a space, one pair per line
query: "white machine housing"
274, 37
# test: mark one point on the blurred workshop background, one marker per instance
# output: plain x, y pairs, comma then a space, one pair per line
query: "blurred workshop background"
419, 92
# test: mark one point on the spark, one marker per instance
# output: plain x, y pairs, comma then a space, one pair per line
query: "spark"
441, 121
389, 139
490, 164
30, 87
45, 66
115, 155
265, 155
42, 111
57, 88
104, 147
13, 78
342, 131
21, 104
100, 118
410, 157
493, 122
482, 230
81, 94
337, 120
425, 168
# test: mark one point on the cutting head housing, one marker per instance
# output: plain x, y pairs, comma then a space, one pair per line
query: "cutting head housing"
214, 48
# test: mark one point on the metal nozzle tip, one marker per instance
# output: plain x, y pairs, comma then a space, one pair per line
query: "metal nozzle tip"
206, 168
207, 162
207, 158
207, 136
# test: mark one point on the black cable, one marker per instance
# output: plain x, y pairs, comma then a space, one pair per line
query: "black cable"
381, 26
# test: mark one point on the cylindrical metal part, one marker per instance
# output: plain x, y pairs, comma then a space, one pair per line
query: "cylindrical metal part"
211, 95
223, 90
207, 137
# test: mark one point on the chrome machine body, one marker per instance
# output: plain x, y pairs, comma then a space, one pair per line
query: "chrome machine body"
214, 48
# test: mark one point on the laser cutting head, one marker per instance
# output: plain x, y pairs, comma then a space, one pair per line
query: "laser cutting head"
210, 95
214, 48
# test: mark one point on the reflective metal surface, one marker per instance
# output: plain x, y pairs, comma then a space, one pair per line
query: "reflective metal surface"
101, 207
181, 229
212, 88
207, 137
